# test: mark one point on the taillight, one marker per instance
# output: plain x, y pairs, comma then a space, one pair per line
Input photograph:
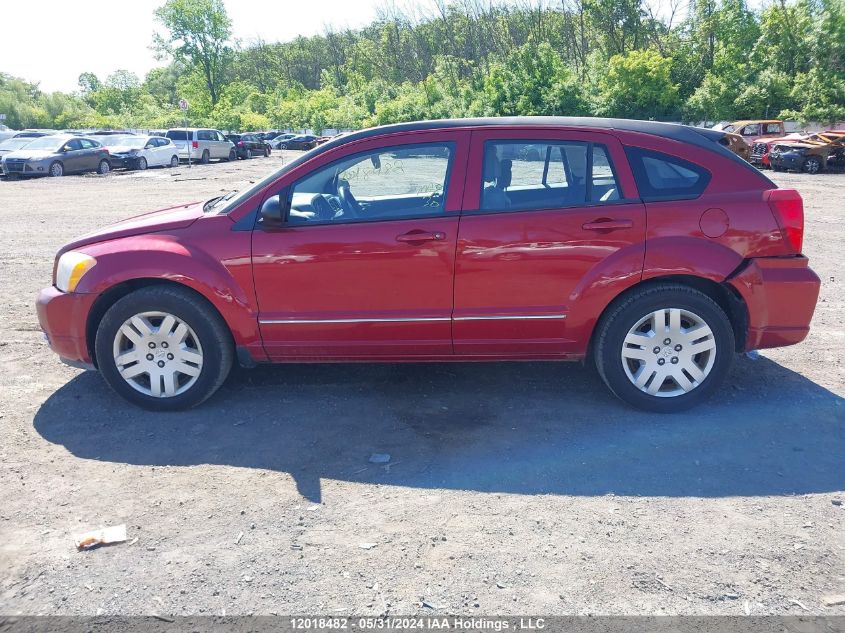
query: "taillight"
240, 143
788, 209
195, 144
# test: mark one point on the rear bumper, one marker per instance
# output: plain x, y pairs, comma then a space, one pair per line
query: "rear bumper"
780, 294
63, 317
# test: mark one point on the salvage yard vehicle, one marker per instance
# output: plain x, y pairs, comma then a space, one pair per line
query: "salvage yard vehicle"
249, 145
647, 248
56, 156
737, 145
140, 152
811, 154
301, 141
201, 144
753, 130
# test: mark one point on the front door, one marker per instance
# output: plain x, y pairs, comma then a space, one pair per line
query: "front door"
363, 263
546, 213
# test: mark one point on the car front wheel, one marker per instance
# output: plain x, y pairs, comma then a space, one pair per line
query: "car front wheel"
163, 348
813, 165
665, 348
57, 170
104, 167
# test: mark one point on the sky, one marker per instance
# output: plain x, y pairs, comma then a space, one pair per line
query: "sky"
53, 51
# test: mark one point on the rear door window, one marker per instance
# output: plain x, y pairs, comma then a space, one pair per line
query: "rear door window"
663, 177
177, 135
526, 175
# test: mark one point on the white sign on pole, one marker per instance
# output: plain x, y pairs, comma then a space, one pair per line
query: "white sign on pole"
183, 104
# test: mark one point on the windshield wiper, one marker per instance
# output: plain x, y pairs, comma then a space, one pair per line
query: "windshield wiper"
210, 204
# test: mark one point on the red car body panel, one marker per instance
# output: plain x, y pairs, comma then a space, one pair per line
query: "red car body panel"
356, 293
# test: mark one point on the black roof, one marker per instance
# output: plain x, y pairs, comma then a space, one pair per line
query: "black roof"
700, 137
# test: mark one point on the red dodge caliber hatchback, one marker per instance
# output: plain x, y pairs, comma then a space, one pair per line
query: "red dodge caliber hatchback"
647, 247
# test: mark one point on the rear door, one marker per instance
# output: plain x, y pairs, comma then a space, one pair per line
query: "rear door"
363, 264
545, 212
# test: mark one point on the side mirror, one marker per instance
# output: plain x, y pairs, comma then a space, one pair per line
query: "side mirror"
375, 159
272, 213
65, 148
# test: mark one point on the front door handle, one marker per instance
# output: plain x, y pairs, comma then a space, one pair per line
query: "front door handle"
607, 224
421, 236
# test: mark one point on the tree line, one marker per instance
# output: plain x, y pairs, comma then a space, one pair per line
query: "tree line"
709, 60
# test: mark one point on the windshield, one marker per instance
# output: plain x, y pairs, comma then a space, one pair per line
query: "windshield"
15, 143
47, 142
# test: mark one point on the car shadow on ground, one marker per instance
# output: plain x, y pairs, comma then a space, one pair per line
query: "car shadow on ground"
525, 428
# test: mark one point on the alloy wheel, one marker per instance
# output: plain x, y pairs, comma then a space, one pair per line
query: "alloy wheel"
158, 354
668, 352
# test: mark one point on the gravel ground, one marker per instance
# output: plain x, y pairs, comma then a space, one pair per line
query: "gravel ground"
512, 488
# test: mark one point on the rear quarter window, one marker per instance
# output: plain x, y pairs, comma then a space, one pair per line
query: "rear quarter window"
177, 135
663, 177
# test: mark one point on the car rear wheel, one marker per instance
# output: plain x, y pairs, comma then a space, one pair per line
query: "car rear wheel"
142, 163
665, 348
57, 170
104, 167
163, 348
174, 161
266, 152
206, 157
813, 165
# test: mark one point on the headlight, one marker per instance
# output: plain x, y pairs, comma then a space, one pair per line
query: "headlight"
71, 268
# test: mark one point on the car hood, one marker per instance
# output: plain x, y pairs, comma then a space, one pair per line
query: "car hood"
162, 220
31, 154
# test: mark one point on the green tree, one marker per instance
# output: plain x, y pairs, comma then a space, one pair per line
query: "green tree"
198, 34
637, 85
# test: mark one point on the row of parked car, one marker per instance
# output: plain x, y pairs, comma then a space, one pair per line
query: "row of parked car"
766, 144
53, 153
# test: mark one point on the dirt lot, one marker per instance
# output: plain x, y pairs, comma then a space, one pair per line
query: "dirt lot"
512, 488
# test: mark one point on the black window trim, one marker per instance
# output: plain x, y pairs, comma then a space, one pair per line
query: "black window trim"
588, 176
287, 190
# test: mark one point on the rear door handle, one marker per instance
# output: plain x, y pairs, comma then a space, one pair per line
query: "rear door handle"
421, 236
606, 224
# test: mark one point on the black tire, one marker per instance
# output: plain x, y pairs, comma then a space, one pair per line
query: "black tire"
615, 324
212, 332
233, 155
56, 170
104, 167
283, 145
174, 162
813, 165
206, 157
266, 152
777, 169
142, 163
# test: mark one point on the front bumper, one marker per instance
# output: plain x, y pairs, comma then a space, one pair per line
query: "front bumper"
780, 294
21, 167
63, 317
790, 160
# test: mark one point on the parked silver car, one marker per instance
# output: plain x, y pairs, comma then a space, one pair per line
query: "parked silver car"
56, 156
201, 144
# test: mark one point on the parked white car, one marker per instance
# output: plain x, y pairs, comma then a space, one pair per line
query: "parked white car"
140, 152
202, 144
